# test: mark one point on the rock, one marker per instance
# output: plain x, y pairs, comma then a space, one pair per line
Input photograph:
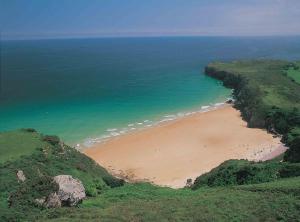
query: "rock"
229, 101
53, 201
40, 201
21, 176
189, 183
71, 191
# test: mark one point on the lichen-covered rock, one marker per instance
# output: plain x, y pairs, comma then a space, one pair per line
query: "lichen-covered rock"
40, 201
21, 176
71, 191
53, 201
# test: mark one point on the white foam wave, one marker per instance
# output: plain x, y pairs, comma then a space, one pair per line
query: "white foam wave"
219, 104
205, 107
111, 130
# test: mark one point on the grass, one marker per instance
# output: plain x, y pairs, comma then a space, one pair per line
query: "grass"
266, 76
289, 186
49, 159
294, 72
144, 202
14, 144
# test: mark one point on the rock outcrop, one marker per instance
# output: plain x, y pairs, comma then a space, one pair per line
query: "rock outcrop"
21, 176
71, 191
53, 201
189, 183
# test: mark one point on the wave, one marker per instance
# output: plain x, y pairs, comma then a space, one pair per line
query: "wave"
115, 132
111, 130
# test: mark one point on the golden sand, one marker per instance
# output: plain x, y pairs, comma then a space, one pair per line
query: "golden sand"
171, 153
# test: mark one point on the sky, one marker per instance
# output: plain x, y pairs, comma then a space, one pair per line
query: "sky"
33, 19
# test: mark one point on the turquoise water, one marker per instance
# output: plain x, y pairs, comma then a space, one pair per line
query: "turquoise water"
80, 88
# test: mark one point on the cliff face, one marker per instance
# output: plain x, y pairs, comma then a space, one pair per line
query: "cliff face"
245, 96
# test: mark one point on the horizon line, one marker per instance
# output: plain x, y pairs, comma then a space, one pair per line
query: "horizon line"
141, 36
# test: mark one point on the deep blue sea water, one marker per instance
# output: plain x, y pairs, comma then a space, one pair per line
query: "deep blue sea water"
85, 88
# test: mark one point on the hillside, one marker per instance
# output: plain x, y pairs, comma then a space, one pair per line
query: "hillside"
294, 72
48, 157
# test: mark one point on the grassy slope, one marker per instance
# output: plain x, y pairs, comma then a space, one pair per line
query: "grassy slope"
294, 72
49, 159
142, 202
266, 76
11, 149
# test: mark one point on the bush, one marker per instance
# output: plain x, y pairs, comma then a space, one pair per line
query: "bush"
293, 153
95, 188
239, 172
53, 140
28, 191
289, 170
30, 130
113, 182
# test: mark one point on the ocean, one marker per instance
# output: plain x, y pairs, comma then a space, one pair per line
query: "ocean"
86, 90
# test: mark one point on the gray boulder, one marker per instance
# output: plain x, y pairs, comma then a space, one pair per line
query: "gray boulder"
52, 201
41, 201
21, 176
70, 190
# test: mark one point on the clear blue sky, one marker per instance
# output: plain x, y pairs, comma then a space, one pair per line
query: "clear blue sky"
21, 19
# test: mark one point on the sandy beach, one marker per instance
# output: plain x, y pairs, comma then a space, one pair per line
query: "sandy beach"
172, 152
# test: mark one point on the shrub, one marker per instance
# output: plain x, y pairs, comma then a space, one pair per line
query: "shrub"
28, 191
293, 153
53, 140
30, 130
113, 182
239, 172
289, 170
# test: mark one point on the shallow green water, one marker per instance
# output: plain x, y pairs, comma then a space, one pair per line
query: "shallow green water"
80, 89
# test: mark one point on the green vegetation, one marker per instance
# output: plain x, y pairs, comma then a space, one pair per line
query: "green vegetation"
237, 190
11, 148
144, 202
108, 200
266, 96
50, 158
294, 72
240, 172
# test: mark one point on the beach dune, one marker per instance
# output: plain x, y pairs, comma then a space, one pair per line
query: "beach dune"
171, 153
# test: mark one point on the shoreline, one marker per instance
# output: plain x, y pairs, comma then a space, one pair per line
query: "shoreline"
171, 152
112, 133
